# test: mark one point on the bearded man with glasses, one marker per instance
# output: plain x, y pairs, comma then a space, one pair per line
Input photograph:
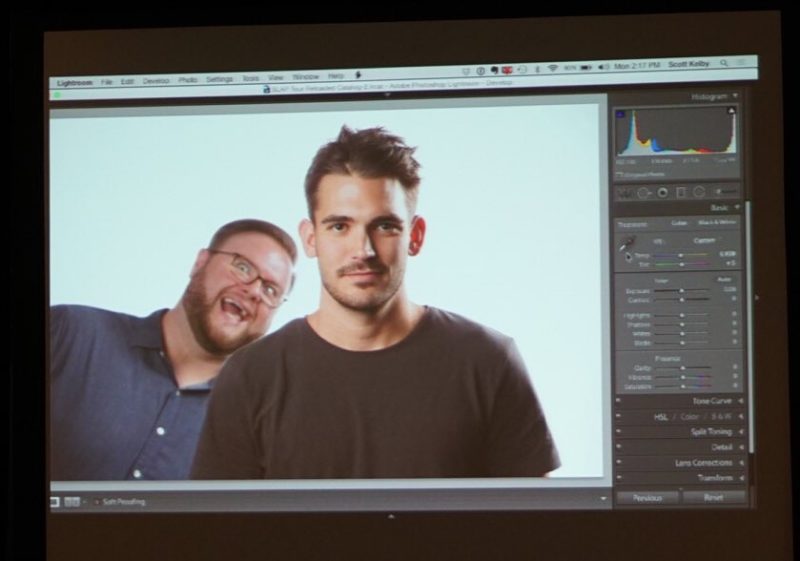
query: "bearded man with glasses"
128, 395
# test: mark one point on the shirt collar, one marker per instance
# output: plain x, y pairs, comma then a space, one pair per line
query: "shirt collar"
202, 386
148, 333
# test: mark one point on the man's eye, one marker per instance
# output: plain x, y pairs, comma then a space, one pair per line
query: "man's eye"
388, 227
339, 227
270, 291
242, 267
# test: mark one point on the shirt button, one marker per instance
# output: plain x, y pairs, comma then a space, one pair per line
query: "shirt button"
137, 474
160, 431
178, 393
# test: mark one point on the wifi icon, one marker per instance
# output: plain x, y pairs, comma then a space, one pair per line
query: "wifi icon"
552, 67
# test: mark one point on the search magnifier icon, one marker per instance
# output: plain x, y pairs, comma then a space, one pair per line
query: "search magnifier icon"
723, 62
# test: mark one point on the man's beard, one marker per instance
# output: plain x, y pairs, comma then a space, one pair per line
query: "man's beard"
367, 302
199, 310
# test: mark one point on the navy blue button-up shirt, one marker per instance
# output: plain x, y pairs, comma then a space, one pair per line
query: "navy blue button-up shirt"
115, 409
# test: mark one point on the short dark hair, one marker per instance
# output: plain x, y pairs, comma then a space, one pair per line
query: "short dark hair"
370, 153
254, 225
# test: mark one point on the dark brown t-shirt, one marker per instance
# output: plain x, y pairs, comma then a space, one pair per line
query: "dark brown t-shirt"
452, 399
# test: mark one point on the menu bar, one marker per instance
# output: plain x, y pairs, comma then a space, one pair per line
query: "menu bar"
423, 78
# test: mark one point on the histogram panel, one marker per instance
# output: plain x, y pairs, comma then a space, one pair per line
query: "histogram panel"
676, 131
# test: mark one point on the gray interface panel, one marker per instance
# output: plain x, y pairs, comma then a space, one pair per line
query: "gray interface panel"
682, 437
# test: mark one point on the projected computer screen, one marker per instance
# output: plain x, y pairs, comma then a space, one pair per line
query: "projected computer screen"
557, 316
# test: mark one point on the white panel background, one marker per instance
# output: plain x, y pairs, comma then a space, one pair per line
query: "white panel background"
512, 197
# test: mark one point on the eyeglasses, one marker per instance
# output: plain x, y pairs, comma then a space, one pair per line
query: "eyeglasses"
247, 273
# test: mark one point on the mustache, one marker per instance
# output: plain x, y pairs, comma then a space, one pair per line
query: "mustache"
362, 267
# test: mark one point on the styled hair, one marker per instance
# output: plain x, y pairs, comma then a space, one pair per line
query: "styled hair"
247, 225
369, 153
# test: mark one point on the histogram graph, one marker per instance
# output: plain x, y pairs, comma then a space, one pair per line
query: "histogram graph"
676, 131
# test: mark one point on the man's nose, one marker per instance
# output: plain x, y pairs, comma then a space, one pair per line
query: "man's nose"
365, 248
254, 289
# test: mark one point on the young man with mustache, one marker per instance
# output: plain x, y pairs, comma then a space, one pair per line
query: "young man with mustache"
372, 385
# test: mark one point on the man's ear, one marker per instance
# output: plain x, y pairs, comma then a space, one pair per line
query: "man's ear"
307, 235
417, 235
200, 261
